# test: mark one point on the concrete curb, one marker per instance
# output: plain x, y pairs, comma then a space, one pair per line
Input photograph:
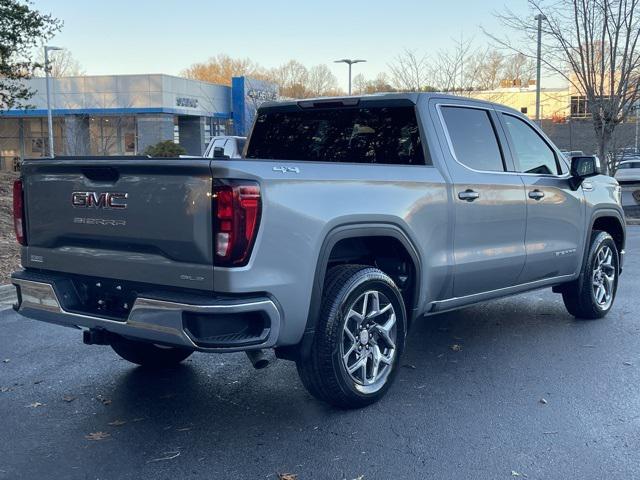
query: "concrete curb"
7, 295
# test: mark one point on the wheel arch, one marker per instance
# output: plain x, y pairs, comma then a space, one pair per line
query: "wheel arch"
336, 238
612, 222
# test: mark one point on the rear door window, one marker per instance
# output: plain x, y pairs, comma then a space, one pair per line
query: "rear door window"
382, 135
473, 138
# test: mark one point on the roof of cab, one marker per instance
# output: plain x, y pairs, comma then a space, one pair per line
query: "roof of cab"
411, 96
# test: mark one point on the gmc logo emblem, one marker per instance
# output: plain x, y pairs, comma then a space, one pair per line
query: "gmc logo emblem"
99, 200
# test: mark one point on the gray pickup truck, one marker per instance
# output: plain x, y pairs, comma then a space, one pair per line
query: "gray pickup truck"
347, 220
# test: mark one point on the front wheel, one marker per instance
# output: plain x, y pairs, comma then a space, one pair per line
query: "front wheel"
148, 354
359, 338
592, 295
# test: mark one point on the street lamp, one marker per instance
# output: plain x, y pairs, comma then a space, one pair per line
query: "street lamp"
637, 108
48, 49
539, 18
349, 62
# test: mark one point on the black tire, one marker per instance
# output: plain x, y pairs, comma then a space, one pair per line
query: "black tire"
323, 372
579, 297
147, 354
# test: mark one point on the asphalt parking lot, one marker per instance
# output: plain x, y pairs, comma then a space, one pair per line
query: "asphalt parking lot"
510, 388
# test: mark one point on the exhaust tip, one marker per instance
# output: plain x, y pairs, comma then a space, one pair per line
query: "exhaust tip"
258, 359
95, 336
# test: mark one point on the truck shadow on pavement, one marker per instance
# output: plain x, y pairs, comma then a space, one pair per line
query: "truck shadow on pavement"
482, 369
452, 354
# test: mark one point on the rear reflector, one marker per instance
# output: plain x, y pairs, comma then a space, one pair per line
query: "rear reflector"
236, 215
18, 212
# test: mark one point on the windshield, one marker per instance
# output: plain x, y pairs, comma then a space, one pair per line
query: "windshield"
387, 135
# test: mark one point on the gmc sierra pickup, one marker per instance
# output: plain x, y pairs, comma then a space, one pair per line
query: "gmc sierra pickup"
348, 219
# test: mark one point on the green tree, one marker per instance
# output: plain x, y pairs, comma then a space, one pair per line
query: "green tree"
165, 149
22, 28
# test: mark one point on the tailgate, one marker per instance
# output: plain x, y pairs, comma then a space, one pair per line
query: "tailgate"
145, 220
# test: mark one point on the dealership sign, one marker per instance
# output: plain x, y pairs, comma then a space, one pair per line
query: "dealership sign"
247, 95
186, 102
262, 95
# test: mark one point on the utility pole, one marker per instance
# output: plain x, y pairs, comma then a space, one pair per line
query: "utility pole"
48, 49
349, 62
539, 18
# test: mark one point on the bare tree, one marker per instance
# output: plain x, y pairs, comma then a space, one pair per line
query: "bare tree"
61, 64
593, 44
359, 84
292, 77
222, 68
409, 71
321, 81
381, 83
450, 72
520, 67
464, 68
490, 69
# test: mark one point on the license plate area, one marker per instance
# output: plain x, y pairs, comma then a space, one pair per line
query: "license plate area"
103, 298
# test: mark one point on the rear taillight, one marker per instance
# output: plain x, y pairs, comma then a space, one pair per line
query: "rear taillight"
18, 213
236, 215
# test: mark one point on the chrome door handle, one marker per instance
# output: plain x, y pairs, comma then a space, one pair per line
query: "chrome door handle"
536, 194
468, 195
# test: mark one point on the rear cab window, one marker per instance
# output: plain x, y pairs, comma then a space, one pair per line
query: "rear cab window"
473, 138
368, 133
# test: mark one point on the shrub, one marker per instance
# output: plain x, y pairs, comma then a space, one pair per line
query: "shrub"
165, 149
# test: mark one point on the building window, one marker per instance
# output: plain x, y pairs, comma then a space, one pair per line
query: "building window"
579, 106
207, 131
129, 142
112, 135
9, 143
523, 110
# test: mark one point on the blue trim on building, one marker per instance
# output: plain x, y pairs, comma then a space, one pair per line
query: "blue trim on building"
237, 105
108, 111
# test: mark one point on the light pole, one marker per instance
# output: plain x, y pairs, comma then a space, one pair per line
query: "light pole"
539, 18
637, 116
48, 49
349, 62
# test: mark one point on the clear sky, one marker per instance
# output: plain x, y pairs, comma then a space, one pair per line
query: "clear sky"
165, 36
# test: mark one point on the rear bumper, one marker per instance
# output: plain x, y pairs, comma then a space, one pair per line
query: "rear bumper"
188, 322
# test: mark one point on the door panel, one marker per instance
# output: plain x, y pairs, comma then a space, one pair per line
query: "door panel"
555, 227
489, 203
555, 213
489, 234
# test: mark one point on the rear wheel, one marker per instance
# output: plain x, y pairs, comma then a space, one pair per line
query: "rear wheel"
592, 295
149, 354
359, 338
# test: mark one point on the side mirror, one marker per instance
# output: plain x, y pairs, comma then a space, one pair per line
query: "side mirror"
218, 152
583, 167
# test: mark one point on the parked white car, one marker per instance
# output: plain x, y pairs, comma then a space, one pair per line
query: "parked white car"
225, 147
628, 176
628, 171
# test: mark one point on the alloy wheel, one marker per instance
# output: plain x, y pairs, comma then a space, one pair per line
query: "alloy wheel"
603, 277
368, 346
